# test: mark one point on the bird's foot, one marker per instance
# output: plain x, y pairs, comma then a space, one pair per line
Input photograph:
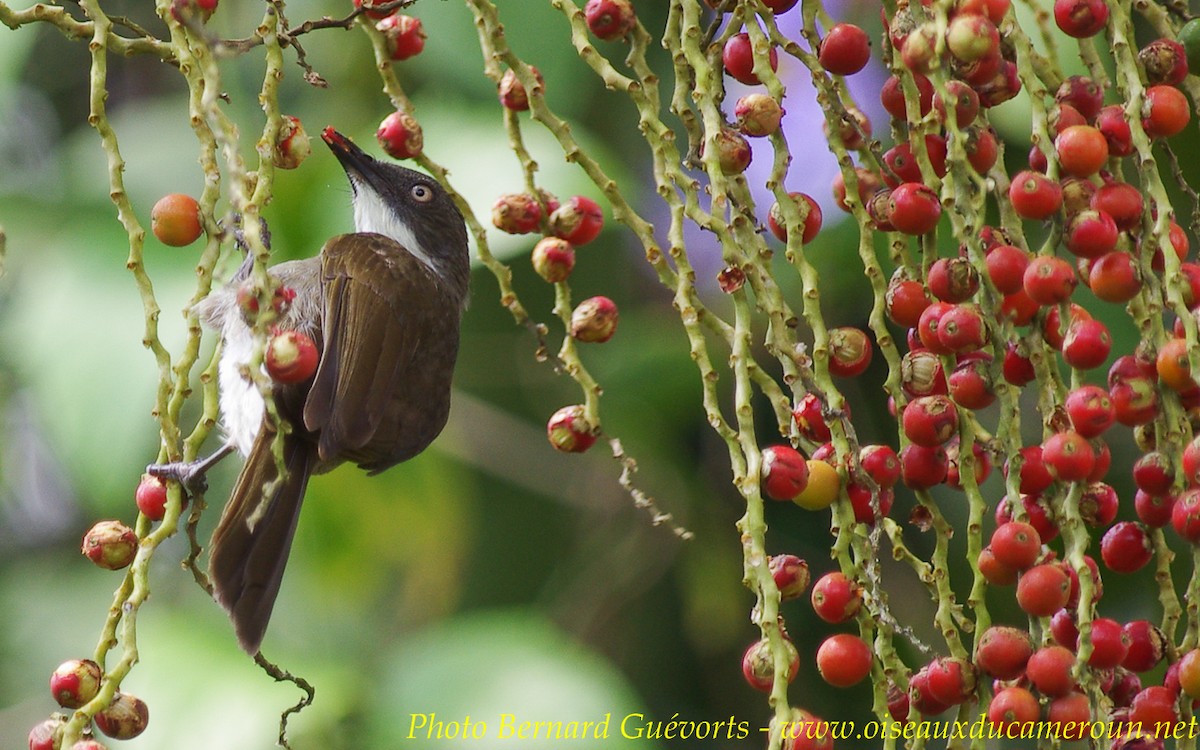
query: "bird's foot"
191, 475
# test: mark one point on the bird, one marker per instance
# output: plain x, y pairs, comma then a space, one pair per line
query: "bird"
384, 306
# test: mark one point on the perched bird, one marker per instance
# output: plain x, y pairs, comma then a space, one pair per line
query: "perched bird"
383, 306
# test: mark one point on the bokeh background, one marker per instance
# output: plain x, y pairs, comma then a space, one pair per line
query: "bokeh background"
491, 575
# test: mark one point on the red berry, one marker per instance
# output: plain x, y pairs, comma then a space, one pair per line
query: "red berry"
1114, 277
75, 682
1153, 510
1154, 710
512, 92
952, 279
863, 501
930, 420
1036, 512
517, 213
923, 467
892, 96
151, 497
1003, 651
1049, 280
1173, 365
568, 430
733, 151
1154, 473
1082, 93
292, 145
914, 208
758, 115
400, 136
1091, 234
1068, 456
844, 50
111, 544
758, 665
291, 357
970, 385
1082, 150
1013, 710
1185, 516
1049, 670
1043, 589
1033, 477
906, 299
1146, 646
993, 571
983, 149
1090, 409
849, 351
809, 213
1120, 200
1016, 366
125, 718
784, 472
594, 320
903, 166
1080, 18
1165, 61
1069, 716
1086, 344
1035, 196
962, 329
1126, 547
1006, 266
1016, 544
1166, 111
1099, 504
836, 598
881, 463
790, 574
41, 737
1109, 644
922, 696
1115, 128
809, 419
971, 37
553, 259
950, 681
844, 660
175, 220
738, 58
404, 35
610, 19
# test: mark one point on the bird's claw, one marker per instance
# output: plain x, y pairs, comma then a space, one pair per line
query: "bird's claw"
189, 474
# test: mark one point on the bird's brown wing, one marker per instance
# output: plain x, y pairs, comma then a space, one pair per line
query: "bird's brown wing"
369, 344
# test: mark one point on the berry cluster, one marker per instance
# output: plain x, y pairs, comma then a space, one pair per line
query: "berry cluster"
565, 226
1018, 317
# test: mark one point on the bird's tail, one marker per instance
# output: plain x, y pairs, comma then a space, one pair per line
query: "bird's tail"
250, 546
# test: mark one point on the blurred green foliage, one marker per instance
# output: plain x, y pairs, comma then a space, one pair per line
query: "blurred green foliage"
489, 575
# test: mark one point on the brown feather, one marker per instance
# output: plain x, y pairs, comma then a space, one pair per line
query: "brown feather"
250, 545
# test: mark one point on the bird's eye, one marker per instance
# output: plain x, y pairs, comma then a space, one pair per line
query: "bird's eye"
422, 193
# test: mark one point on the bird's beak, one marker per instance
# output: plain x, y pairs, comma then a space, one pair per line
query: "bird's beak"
359, 165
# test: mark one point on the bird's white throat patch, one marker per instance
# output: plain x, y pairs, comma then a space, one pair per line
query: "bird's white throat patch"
372, 214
